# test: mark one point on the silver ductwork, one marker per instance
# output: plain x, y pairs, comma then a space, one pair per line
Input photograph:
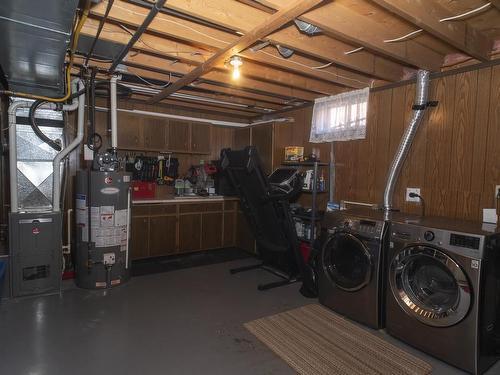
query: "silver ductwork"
419, 108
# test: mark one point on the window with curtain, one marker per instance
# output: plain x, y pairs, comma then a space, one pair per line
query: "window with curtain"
340, 117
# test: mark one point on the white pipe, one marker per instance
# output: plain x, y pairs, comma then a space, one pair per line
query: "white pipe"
178, 117
114, 119
67, 247
56, 163
128, 228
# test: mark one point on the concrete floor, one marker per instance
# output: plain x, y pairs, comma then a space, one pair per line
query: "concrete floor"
182, 323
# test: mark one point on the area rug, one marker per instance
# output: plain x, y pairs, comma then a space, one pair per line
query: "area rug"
315, 341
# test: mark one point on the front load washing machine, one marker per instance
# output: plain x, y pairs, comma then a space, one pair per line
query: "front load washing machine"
444, 298
350, 264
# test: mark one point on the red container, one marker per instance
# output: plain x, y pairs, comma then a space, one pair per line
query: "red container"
305, 250
143, 190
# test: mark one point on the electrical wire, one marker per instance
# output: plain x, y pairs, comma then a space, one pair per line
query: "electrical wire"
314, 68
76, 36
160, 18
322, 66
193, 53
404, 37
354, 51
466, 14
154, 85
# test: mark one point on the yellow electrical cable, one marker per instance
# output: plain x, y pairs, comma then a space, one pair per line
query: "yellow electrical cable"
76, 36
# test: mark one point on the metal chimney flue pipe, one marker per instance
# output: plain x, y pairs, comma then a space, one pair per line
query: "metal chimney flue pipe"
419, 107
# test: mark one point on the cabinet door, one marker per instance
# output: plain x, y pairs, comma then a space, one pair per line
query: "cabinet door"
200, 138
229, 229
155, 133
178, 135
189, 232
130, 134
162, 235
211, 233
139, 241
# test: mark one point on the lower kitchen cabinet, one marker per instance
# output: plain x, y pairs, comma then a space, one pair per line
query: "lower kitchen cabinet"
170, 228
211, 230
139, 237
162, 235
189, 232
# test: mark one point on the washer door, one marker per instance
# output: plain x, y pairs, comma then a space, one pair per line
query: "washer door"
430, 286
347, 262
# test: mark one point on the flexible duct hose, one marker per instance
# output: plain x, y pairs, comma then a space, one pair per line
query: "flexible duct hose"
404, 146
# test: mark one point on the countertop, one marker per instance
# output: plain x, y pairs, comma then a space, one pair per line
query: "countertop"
165, 194
173, 199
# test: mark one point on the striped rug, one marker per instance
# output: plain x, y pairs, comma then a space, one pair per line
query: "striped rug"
315, 341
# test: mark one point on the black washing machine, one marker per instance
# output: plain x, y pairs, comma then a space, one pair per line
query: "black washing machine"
350, 271
444, 297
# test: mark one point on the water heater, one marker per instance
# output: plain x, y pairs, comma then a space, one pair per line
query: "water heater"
102, 215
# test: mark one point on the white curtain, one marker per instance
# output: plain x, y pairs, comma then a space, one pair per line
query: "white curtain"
340, 117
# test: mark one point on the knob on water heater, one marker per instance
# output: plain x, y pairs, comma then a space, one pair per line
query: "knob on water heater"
429, 235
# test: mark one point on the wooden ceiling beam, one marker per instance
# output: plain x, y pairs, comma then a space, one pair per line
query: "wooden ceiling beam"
188, 53
227, 93
278, 19
346, 24
495, 3
426, 15
240, 17
206, 37
115, 34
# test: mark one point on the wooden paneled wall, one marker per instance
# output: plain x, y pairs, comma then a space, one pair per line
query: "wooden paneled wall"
455, 158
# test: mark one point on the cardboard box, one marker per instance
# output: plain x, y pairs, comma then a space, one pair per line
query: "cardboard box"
294, 153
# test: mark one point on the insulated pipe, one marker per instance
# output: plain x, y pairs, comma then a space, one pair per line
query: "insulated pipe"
113, 105
404, 146
140, 30
56, 163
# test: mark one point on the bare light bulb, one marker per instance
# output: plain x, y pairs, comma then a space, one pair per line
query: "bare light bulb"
236, 63
236, 72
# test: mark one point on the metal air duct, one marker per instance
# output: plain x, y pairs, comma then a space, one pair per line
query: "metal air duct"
406, 141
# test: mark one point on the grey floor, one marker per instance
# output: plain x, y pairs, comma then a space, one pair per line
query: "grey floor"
181, 322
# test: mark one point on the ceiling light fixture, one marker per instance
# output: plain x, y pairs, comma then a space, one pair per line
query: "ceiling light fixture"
236, 62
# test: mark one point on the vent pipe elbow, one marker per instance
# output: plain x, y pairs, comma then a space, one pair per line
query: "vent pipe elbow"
419, 107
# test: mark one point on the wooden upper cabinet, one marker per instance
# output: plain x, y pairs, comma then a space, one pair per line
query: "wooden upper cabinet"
155, 133
200, 138
178, 135
130, 131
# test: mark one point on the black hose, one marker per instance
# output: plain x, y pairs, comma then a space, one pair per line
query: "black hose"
37, 103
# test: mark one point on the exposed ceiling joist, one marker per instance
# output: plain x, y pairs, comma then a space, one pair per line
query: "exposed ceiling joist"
113, 33
190, 54
427, 13
344, 23
149, 73
495, 3
240, 17
274, 22
213, 39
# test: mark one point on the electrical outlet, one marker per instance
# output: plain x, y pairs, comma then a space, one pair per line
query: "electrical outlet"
497, 188
412, 190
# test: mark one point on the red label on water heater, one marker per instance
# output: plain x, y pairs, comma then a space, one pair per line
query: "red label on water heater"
35, 230
108, 180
